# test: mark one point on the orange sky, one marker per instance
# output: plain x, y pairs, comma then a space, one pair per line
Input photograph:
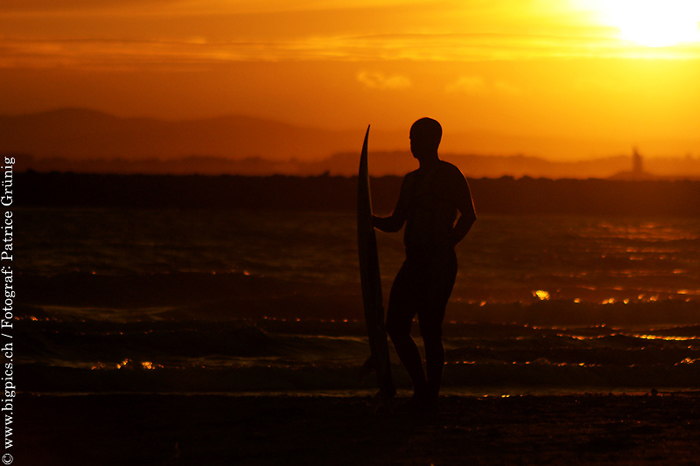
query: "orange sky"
564, 79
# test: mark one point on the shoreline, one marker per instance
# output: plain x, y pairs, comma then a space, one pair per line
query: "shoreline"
401, 393
215, 429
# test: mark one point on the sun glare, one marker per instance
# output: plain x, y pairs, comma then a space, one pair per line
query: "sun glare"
654, 23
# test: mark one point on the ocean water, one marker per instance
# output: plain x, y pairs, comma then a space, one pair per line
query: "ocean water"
192, 301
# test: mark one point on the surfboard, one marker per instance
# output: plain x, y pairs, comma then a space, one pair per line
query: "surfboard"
371, 281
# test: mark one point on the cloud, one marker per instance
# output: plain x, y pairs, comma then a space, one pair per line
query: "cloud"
375, 80
476, 85
503, 87
468, 84
114, 54
192, 50
52, 6
133, 34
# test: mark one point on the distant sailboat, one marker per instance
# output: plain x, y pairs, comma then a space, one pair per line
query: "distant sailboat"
637, 173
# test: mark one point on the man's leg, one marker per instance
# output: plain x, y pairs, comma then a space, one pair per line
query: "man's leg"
410, 357
398, 325
434, 362
439, 289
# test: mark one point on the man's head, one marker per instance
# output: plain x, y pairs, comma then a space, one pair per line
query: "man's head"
425, 137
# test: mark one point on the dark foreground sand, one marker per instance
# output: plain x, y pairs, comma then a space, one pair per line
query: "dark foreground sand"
211, 430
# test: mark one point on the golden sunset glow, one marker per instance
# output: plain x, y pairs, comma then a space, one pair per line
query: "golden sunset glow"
654, 23
565, 80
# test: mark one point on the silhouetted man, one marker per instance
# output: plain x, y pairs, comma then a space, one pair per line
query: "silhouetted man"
428, 204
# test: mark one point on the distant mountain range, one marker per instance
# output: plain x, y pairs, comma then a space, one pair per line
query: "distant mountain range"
83, 140
75, 134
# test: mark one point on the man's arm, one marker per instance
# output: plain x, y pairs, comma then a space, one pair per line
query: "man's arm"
396, 220
465, 205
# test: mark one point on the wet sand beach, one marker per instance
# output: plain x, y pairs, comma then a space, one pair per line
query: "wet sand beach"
323, 430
